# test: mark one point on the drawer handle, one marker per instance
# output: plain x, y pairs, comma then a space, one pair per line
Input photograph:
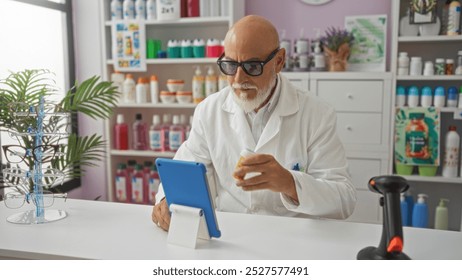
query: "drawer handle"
349, 128
349, 96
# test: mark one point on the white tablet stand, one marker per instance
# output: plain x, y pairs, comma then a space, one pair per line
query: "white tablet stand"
186, 225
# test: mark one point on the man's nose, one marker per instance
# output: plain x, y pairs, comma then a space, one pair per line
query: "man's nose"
240, 75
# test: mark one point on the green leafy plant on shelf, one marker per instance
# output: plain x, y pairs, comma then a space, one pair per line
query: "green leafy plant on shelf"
337, 43
23, 91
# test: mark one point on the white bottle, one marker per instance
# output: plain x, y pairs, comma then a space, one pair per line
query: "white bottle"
460, 100
415, 68
128, 8
211, 82
319, 59
426, 98
413, 97
198, 86
151, 10
454, 18
154, 89
403, 64
459, 63
140, 92
117, 80
429, 70
214, 8
451, 153
129, 89
224, 8
155, 134
140, 9
439, 97
204, 8
116, 10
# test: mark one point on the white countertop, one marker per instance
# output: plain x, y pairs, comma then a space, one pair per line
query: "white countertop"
114, 231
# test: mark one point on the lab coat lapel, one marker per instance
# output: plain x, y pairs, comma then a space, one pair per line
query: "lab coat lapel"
239, 122
287, 105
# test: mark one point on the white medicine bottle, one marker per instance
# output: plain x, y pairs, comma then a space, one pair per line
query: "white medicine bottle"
440, 97
415, 68
129, 89
451, 153
403, 64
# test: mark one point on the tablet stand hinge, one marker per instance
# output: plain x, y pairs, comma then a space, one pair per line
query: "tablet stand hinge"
186, 225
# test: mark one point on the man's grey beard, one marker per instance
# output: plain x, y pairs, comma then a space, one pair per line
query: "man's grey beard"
261, 96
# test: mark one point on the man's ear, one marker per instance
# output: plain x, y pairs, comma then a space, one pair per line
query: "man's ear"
280, 60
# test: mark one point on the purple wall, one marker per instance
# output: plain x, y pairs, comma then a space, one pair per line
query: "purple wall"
292, 15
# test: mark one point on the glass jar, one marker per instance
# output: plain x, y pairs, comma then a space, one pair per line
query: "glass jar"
440, 66
416, 66
449, 69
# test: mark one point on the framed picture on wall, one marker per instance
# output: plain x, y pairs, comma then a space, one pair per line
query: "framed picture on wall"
422, 11
129, 48
368, 51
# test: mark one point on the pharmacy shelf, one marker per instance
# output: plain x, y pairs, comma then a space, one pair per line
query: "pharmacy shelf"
197, 21
434, 179
159, 105
169, 61
430, 78
429, 39
135, 153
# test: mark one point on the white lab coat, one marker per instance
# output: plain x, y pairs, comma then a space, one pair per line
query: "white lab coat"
301, 130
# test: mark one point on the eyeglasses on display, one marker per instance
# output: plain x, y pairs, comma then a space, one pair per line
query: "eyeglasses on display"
46, 178
14, 200
250, 67
42, 153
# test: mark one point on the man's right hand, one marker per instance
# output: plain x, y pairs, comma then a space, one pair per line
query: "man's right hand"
161, 215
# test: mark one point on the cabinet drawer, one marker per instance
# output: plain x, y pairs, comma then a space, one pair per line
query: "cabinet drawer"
352, 96
357, 128
362, 170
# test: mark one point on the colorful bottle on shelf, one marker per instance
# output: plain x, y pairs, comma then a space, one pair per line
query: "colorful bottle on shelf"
198, 86
138, 192
211, 82
120, 133
420, 212
128, 8
451, 153
156, 135
166, 123
140, 131
452, 97
176, 134
454, 18
122, 183
404, 210
442, 215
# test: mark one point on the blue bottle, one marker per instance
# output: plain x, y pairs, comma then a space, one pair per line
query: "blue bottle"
420, 212
410, 206
404, 211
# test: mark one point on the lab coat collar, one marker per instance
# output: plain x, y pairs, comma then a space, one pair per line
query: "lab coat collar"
287, 105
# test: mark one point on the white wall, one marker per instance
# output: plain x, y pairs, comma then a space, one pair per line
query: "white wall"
88, 56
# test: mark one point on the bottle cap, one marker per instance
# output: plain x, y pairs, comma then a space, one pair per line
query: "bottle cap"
460, 89
439, 91
156, 119
139, 117
400, 90
176, 119
140, 80
427, 91
421, 198
443, 202
129, 76
413, 91
131, 162
120, 118
459, 52
153, 78
449, 61
403, 54
452, 128
439, 60
121, 166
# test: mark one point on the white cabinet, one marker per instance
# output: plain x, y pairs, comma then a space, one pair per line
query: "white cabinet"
179, 68
363, 105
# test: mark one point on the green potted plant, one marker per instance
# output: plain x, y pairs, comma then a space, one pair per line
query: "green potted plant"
336, 43
20, 99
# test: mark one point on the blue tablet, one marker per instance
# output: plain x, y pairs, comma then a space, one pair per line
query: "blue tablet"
185, 183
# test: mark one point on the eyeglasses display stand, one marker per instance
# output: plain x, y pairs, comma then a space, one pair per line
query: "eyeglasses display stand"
40, 199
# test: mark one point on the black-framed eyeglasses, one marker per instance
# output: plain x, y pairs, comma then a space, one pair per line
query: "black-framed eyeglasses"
42, 153
250, 67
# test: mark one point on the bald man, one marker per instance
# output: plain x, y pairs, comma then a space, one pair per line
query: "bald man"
299, 160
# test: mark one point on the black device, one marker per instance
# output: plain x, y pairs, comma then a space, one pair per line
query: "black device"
391, 242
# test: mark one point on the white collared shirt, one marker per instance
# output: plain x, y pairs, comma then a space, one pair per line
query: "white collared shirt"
257, 121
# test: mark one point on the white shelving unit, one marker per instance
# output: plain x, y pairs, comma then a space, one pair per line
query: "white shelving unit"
430, 48
165, 68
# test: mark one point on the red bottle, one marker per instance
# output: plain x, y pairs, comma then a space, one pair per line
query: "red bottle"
122, 184
193, 8
140, 134
139, 188
120, 133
